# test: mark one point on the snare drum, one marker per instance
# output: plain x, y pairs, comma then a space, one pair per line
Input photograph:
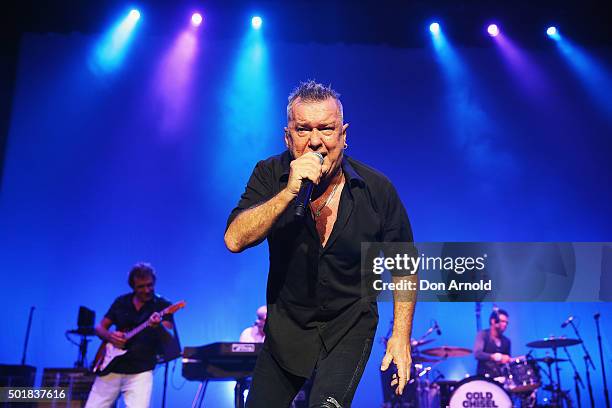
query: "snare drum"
479, 392
523, 376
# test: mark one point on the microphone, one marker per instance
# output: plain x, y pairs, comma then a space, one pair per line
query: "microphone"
437, 328
568, 321
303, 197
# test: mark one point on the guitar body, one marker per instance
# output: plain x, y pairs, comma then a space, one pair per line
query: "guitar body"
105, 356
108, 353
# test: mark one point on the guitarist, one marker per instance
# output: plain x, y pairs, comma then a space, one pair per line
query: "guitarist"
132, 373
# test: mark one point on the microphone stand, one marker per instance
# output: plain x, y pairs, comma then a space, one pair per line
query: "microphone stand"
603, 368
428, 332
577, 379
27, 336
588, 362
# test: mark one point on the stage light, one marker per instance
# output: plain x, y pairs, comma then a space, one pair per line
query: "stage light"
134, 14
551, 31
434, 28
256, 22
493, 30
112, 47
196, 19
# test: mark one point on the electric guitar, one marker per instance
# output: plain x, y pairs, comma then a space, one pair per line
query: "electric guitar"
108, 352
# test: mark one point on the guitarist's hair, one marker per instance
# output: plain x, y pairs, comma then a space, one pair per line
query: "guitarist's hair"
139, 271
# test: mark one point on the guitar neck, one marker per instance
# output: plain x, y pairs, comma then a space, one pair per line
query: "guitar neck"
140, 327
169, 310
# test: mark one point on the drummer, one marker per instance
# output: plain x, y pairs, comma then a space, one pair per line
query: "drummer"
492, 348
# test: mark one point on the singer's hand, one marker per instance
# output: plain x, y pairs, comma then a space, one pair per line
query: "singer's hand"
398, 352
307, 166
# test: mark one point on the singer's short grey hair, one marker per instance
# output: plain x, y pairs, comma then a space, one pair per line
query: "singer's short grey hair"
312, 91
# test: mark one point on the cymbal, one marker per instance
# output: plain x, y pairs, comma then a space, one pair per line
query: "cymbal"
418, 343
553, 342
550, 360
423, 359
447, 351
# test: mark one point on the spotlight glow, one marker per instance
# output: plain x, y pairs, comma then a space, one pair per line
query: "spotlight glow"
551, 31
112, 47
196, 19
256, 22
434, 28
493, 30
134, 14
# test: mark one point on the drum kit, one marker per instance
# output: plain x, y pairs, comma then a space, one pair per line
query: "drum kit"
520, 385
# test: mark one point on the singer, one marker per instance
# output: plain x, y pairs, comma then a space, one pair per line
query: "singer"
320, 322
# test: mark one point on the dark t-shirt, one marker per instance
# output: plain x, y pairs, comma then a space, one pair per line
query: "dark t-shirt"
146, 345
316, 294
484, 347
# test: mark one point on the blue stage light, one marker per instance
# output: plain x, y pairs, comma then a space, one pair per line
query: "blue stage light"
493, 30
256, 22
434, 28
112, 47
551, 31
134, 14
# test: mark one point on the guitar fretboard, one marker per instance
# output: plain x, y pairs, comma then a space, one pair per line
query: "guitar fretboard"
141, 326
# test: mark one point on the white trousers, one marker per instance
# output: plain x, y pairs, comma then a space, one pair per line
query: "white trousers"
136, 390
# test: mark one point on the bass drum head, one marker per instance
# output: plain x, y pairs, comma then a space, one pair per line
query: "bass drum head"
479, 392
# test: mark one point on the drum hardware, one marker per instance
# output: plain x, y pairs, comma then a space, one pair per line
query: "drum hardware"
577, 380
419, 391
419, 358
553, 342
424, 371
550, 360
447, 351
418, 343
558, 395
588, 363
444, 389
522, 379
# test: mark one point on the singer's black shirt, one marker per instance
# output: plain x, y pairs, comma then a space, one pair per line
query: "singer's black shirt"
316, 294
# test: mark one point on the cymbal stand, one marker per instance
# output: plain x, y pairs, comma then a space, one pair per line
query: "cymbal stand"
557, 390
422, 386
588, 362
554, 389
603, 368
577, 380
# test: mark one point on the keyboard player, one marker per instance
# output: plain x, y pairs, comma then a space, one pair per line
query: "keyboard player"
255, 333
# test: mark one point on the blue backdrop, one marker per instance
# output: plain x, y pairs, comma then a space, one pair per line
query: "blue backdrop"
143, 162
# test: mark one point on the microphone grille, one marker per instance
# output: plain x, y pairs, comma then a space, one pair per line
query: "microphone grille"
320, 156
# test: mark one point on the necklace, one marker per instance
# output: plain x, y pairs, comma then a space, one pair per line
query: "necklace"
331, 196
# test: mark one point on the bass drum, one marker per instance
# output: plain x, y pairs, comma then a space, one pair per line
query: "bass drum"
479, 392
